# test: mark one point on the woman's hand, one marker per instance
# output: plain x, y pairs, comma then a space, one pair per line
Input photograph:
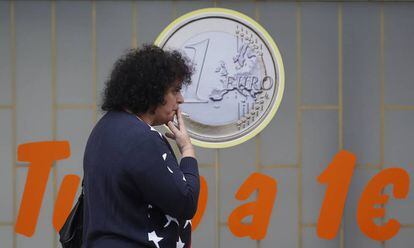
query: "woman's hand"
181, 137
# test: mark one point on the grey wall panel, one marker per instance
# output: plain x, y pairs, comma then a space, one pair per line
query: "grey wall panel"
205, 234
74, 52
246, 7
6, 236
236, 164
361, 87
399, 55
113, 37
183, 7
398, 152
33, 68
319, 30
152, 18
73, 126
399, 139
283, 228
6, 166
43, 237
229, 240
279, 137
317, 154
353, 235
405, 237
205, 155
5, 67
310, 239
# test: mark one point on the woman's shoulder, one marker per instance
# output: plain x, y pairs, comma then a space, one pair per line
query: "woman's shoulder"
119, 129
124, 121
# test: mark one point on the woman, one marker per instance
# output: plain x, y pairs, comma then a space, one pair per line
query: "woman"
136, 194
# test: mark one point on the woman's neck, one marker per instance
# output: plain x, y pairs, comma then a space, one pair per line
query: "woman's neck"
145, 117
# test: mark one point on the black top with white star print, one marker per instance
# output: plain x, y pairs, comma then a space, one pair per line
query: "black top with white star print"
136, 193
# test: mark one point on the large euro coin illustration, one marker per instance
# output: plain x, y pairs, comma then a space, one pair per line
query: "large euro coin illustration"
238, 79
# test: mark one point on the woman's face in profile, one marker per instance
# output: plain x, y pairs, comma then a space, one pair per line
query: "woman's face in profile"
172, 99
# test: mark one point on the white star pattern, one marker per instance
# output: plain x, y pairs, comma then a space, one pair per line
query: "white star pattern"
169, 219
149, 206
184, 178
180, 244
164, 156
155, 130
186, 223
152, 236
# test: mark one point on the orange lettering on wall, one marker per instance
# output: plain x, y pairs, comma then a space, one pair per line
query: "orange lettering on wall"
337, 177
41, 156
373, 195
260, 210
64, 200
202, 203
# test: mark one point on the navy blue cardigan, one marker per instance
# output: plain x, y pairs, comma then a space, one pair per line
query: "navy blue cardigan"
136, 194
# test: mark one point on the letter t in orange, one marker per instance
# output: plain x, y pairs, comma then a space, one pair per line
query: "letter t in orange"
41, 156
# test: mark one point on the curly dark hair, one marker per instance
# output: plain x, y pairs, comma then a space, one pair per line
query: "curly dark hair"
141, 77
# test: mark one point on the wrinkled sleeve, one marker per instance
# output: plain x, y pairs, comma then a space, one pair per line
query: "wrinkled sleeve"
172, 187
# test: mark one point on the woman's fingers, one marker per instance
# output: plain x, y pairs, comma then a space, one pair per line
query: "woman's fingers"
178, 115
172, 127
180, 135
180, 118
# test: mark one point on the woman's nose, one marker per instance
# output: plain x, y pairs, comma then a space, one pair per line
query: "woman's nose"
180, 98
